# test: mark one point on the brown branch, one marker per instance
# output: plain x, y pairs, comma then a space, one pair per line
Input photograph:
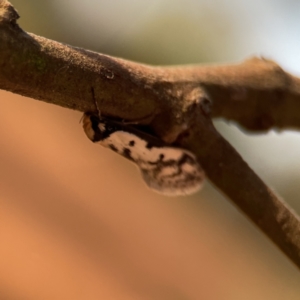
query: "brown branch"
257, 94
232, 175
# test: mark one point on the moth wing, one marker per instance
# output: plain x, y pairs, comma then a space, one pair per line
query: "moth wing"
176, 172
167, 170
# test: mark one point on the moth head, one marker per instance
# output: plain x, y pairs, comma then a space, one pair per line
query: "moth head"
94, 128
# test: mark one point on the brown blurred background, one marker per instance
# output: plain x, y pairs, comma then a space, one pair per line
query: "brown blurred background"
76, 220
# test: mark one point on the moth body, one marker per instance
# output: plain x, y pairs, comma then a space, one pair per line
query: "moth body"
167, 170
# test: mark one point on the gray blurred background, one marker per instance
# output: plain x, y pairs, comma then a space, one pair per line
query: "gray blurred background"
76, 220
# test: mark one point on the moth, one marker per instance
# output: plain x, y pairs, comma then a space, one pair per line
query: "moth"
166, 169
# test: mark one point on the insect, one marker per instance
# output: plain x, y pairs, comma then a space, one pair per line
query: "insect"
165, 169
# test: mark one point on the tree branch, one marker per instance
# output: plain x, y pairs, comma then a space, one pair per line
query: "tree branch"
232, 175
174, 101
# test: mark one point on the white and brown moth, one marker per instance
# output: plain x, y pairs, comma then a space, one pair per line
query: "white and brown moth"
165, 169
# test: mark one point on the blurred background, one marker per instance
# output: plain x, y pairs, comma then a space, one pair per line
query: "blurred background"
76, 220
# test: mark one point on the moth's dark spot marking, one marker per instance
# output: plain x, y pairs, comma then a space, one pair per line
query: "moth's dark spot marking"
186, 159
131, 143
113, 147
161, 156
149, 146
127, 153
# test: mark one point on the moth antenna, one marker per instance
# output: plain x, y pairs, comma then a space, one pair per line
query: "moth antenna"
96, 103
81, 119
